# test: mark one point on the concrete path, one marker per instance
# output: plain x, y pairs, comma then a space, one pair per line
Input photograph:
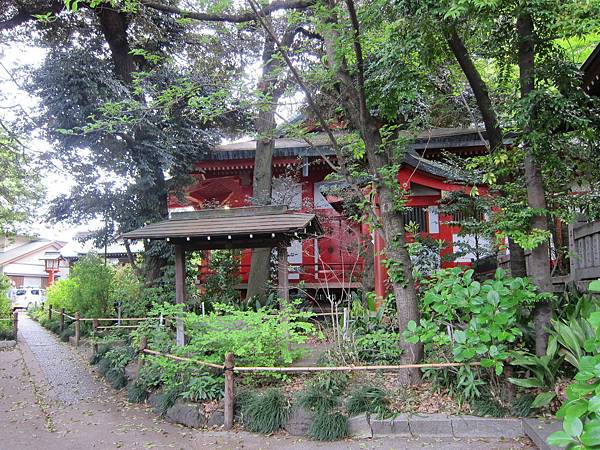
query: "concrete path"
51, 400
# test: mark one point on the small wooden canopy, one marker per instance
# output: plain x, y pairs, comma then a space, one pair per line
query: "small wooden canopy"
211, 229
248, 227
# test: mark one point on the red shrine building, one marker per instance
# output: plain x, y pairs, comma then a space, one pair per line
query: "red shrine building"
333, 262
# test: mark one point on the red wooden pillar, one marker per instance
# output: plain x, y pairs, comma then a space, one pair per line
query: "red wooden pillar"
179, 290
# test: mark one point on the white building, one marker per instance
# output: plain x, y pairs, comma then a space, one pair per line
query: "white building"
21, 259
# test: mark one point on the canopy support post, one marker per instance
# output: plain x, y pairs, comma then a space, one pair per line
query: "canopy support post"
179, 290
283, 272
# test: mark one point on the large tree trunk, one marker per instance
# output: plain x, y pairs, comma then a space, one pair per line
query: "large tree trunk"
263, 172
539, 263
392, 222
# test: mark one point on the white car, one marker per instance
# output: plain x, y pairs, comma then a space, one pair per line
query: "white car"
23, 298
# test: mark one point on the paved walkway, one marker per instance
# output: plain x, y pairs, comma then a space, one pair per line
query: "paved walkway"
50, 400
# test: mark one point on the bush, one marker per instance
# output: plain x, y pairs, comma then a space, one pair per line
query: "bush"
204, 387
484, 317
266, 412
328, 426
368, 399
168, 397
136, 393
256, 338
323, 393
127, 289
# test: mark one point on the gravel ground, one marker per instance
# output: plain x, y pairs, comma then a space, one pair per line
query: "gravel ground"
63, 370
40, 409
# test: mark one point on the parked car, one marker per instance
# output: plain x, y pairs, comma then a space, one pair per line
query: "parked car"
23, 298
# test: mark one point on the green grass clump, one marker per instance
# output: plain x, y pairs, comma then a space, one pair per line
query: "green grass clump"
116, 378
323, 393
66, 334
136, 393
102, 350
522, 405
328, 426
368, 399
266, 412
487, 406
104, 366
168, 398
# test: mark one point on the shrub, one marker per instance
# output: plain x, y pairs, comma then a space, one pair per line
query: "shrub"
127, 289
61, 294
323, 393
266, 412
368, 399
256, 338
484, 317
92, 281
104, 366
136, 393
328, 426
66, 334
204, 387
168, 397
116, 378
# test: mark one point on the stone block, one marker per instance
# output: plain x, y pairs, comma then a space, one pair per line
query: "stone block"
538, 430
430, 425
359, 427
216, 419
187, 414
397, 426
132, 370
298, 422
483, 427
7, 344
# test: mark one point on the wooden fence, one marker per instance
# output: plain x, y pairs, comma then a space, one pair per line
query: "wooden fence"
584, 250
15, 323
229, 369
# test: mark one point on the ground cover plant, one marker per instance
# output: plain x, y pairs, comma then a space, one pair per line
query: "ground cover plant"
6, 326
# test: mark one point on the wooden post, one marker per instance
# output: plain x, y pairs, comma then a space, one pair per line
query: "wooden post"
94, 331
15, 324
179, 290
283, 273
143, 346
49, 312
229, 395
573, 263
77, 329
62, 319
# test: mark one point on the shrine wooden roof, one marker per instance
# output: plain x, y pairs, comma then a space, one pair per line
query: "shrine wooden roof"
247, 227
591, 73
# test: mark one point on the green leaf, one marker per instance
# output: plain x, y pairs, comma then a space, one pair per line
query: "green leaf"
594, 286
411, 326
526, 382
594, 404
493, 297
543, 399
591, 433
460, 336
572, 425
559, 439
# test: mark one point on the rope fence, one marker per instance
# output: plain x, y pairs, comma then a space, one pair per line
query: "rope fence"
229, 370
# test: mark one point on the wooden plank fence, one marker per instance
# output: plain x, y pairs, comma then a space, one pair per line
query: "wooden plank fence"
584, 252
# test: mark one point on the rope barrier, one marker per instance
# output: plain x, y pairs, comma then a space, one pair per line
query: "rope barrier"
182, 358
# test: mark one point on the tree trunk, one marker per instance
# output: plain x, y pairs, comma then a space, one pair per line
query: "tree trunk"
392, 222
539, 263
518, 266
262, 185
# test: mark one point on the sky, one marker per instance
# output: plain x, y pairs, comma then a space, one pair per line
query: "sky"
16, 105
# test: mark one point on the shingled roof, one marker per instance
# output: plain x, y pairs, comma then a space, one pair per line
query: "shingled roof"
246, 227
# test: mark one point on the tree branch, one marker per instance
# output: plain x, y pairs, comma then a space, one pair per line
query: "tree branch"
479, 87
245, 16
25, 15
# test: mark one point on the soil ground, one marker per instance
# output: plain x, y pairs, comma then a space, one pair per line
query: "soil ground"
50, 399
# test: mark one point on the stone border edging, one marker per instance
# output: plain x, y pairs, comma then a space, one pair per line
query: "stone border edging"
442, 425
7, 344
